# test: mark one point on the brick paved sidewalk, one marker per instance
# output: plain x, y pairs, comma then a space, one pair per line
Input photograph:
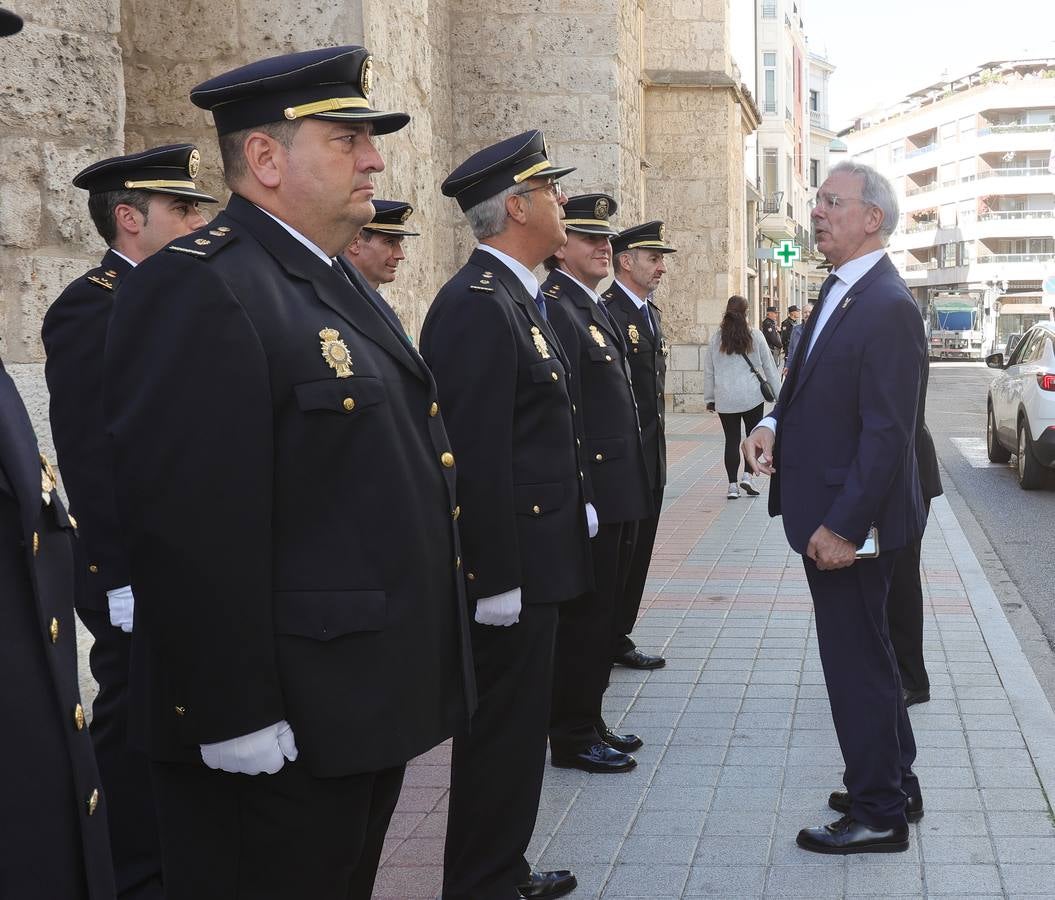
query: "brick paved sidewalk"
740, 750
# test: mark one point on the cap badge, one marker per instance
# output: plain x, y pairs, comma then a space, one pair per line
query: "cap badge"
661, 233
595, 333
335, 352
366, 77
406, 214
600, 209
633, 334
540, 342
193, 163
47, 479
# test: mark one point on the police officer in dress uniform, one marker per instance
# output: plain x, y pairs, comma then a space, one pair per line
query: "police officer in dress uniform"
286, 485
55, 842
619, 484
378, 249
639, 253
504, 384
138, 204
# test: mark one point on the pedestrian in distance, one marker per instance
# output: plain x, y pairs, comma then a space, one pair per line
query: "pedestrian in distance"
786, 328
796, 336
736, 366
771, 331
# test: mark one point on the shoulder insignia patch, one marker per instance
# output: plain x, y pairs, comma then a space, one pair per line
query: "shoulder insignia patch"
553, 292
205, 242
608, 295
104, 278
484, 283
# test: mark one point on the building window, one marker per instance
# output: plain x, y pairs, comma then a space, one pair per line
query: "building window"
769, 65
815, 165
769, 9
769, 171
815, 101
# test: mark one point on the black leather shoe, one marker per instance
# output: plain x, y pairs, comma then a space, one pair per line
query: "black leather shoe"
599, 758
912, 697
626, 743
840, 802
847, 835
635, 659
548, 884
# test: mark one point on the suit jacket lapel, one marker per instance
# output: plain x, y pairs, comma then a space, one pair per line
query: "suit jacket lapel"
582, 300
343, 297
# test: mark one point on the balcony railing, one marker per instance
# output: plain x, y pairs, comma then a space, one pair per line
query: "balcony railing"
1017, 128
911, 192
1016, 214
922, 267
921, 150
1015, 173
921, 226
770, 106
1016, 258
818, 118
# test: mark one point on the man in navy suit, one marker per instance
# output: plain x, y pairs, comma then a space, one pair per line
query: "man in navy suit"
840, 446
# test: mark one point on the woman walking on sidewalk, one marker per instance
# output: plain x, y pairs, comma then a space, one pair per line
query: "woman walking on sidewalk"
733, 377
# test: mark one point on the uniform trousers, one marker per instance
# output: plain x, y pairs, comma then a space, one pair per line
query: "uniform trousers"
272, 837
125, 772
905, 615
497, 767
864, 688
641, 537
583, 661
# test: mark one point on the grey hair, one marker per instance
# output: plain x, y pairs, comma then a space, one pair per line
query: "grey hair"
875, 189
488, 217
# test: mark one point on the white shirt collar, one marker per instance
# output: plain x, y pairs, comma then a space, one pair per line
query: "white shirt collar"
637, 301
125, 258
590, 292
526, 276
853, 270
313, 247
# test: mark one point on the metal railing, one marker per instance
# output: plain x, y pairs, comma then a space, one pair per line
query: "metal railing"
921, 226
1016, 214
1017, 128
911, 192
1016, 258
921, 150
921, 267
1022, 172
818, 118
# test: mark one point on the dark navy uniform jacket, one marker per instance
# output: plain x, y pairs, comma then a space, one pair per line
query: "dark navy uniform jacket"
503, 382
74, 335
845, 453
611, 441
648, 369
287, 487
55, 842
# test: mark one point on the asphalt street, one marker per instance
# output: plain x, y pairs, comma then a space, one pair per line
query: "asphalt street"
1010, 530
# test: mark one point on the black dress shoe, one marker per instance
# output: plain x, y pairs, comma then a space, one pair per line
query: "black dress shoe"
627, 743
847, 835
548, 884
840, 802
635, 659
599, 758
912, 697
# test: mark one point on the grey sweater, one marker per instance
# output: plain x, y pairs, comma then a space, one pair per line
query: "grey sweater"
727, 379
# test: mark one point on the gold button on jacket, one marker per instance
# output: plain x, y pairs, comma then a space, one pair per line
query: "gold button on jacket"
53, 630
78, 717
447, 459
93, 801
349, 403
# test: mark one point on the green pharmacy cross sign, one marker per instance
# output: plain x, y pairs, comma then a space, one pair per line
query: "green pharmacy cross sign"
787, 253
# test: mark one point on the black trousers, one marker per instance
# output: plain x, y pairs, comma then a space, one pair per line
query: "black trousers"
125, 772
641, 538
583, 661
734, 437
272, 837
864, 688
497, 768
905, 616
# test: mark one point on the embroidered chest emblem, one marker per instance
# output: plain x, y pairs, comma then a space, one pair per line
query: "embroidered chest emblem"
595, 333
335, 352
540, 342
633, 334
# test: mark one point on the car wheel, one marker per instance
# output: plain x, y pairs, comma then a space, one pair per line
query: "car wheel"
1031, 474
996, 451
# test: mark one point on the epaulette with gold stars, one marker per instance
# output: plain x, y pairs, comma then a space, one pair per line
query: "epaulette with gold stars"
484, 283
204, 242
103, 277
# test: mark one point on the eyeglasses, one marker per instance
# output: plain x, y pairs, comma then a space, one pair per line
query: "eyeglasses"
553, 187
831, 201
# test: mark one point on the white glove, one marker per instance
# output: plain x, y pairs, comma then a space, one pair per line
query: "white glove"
501, 610
122, 606
265, 750
591, 520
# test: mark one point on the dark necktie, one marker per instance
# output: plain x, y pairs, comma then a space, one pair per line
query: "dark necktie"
540, 302
648, 317
803, 348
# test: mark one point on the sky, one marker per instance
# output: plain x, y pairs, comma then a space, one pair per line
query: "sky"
889, 48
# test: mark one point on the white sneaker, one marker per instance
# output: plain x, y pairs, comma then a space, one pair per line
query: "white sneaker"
748, 484
734, 493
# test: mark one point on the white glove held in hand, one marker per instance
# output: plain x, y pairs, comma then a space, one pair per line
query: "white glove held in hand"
591, 521
265, 750
122, 606
500, 610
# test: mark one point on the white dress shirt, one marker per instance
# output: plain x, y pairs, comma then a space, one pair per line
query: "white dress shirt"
311, 245
847, 275
125, 258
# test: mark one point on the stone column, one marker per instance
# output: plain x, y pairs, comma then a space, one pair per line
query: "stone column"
696, 116
61, 107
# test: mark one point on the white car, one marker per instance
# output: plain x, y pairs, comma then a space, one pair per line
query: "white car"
1021, 405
